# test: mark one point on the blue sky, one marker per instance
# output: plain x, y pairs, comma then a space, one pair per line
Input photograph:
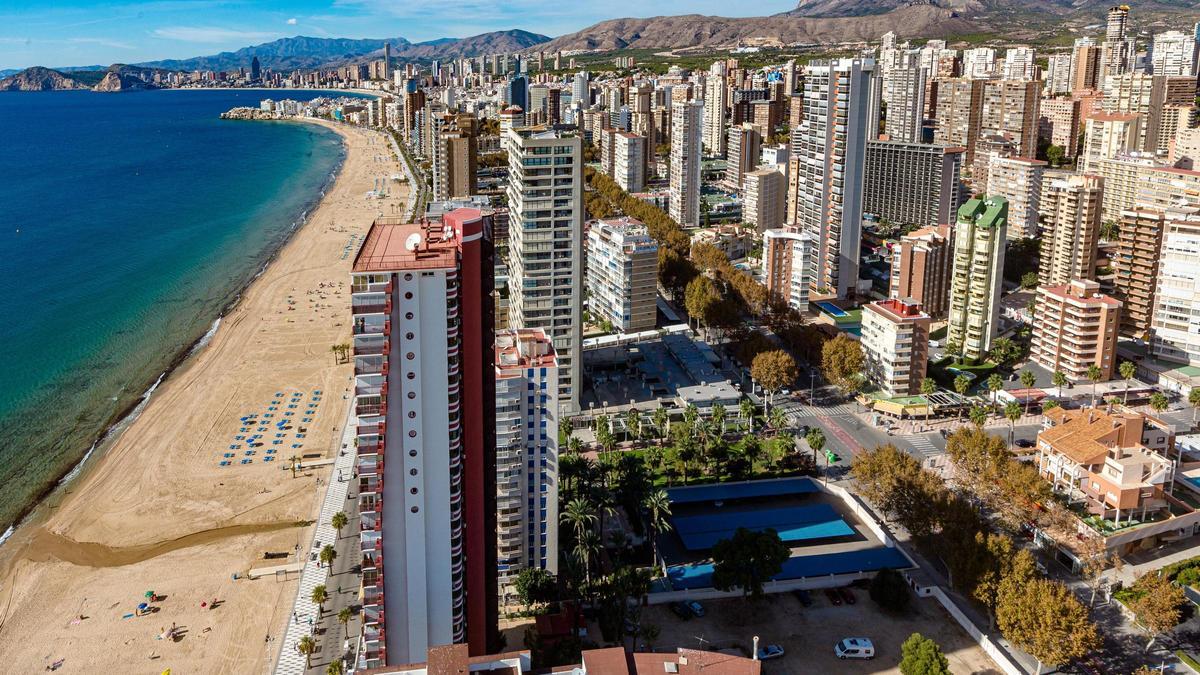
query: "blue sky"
79, 32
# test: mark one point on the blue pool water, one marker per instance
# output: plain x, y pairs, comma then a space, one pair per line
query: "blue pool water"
831, 309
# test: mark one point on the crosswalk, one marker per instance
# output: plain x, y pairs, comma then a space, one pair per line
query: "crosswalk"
803, 410
922, 444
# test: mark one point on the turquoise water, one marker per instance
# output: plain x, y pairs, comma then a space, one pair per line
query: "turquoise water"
128, 222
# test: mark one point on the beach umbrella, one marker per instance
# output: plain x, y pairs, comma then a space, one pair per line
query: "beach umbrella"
149, 594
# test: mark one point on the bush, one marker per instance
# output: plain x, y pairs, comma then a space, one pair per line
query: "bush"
889, 590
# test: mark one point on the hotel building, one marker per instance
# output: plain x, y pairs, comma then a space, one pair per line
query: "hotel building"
913, 183
421, 298
1074, 328
895, 344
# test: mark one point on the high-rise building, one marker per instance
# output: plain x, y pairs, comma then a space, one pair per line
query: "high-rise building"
979, 63
1120, 51
622, 274
828, 158
895, 345
455, 156
526, 455
912, 183
515, 92
1174, 54
545, 199
1075, 328
904, 95
921, 267
764, 192
1010, 109
743, 149
1019, 181
1106, 135
685, 162
255, 69
1059, 124
421, 298
978, 275
1070, 215
957, 114
1019, 64
387, 62
581, 90
1058, 75
629, 161
1135, 264
1148, 96
788, 262
1175, 327
1124, 177
1086, 64
715, 102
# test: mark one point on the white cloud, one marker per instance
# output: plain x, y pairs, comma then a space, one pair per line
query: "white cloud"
104, 42
210, 34
291, 21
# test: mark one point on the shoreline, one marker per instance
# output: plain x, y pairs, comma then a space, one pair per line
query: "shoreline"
117, 422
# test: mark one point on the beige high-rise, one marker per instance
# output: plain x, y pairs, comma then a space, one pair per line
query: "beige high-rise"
1136, 267
921, 266
1010, 108
1018, 180
1075, 328
1070, 213
764, 193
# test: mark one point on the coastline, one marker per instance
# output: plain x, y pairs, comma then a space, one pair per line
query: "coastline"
129, 413
150, 508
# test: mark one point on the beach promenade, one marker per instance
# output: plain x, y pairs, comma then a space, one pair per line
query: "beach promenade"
174, 506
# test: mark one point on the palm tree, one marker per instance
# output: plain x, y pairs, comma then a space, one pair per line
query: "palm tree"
690, 414
580, 516
1159, 401
633, 423
1059, 379
565, 430
337, 353
662, 423
334, 668
319, 596
928, 387
328, 555
585, 547
658, 511
306, 646
816, 440
574, 445
1012, 410
961, 384
978, 415
344, 615
994, 384
1194, 399
293, 462
338, 521
717, 417
1127, 369
606, 504
747, 409
778, 420
1095, 375
1028, 379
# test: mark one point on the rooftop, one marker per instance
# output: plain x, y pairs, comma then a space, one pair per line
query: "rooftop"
393, 245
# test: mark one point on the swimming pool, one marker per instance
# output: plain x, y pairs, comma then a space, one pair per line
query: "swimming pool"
831, 309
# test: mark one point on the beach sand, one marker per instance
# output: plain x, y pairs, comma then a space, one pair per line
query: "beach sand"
157, 512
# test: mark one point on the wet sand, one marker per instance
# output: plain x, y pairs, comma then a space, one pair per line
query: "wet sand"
158, 512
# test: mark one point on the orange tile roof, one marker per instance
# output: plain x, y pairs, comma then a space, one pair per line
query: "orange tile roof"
1082, 438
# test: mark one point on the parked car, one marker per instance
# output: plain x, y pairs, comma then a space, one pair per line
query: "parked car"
770, 652
681, 610
847, 595
1024, 443
804, 597
834, 597
695, 608
854, 648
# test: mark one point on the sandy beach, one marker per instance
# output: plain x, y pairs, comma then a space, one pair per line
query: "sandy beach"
157, 511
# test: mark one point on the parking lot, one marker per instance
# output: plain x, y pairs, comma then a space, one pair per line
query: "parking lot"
808, 634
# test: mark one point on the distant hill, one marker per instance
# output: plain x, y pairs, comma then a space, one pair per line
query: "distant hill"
1031, 10
715, 31
39, 79
283, 54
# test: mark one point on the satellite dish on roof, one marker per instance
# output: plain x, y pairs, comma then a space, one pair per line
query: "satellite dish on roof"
413, 241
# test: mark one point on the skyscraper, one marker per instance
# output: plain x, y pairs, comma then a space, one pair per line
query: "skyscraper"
744, 149
1176, 319
826, 174
1174, 54
904, 94
913, 183
1010, 109
1119, 48
421, 299
454, 156
685, 162
545, 197
957, 114
978, 275
1019, 181
1070, 214
715, 93
255, 69
515, 92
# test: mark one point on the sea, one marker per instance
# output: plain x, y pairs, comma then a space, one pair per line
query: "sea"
129, 223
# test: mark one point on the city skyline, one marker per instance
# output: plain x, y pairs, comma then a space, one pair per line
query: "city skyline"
98, 32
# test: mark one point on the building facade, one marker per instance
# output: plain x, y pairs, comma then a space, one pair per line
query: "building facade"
1019, 181
895, 345
685, 162
788, 264
978, 274
1075, 328
1175, 334
913, 183
921, 265
622, 274
1070, 216
764, 192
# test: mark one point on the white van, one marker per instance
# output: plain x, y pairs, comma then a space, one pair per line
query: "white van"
854, 648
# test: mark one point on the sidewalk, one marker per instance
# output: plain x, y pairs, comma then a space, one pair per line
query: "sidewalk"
290, 661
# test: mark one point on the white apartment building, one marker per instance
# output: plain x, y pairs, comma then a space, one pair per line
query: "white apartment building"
545, 234
1019, 64
716, 94
622, 274
904, 94
685, 162
763, 193
788, 255
1175, 327
1107, 135
979, 63
526, 455
895, 345
1018, 180
629, 161
1174, 54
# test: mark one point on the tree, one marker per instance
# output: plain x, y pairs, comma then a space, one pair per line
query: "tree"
1128, 369
293, 464
961, 384
1055, 155
328, 555
1109, 230
658, 519
580, 515
604, 435
700, 298
1001, 563
633, 423
928, 387
1050, 405
747, 409
748, 560
994, 384
1194, 400
1012, 411
334, 668
1159, 401
1044, 619
773, 371
1029, 280
978, 415
1095, 375
319, 597
306, 645
534, 585
1095, 559
343, 616
662, 423
338, 521
1157, 604
816, 440
1058, 379
1028, 379
842, 361
921, 656
889, 590
778, 420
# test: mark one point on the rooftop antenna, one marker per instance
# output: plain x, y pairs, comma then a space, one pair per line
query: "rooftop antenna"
413, 241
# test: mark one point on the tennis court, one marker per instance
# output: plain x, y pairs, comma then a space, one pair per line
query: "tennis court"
793, 524
749, 490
